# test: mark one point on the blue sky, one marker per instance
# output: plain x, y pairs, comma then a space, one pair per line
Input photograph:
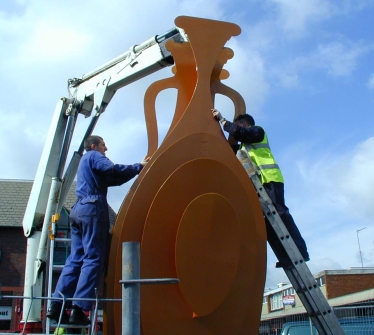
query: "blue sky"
305, 69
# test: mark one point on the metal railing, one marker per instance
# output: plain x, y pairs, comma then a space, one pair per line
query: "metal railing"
355, 318
131, 282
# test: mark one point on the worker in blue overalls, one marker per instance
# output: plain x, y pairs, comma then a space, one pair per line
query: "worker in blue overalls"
89, 223
254, 140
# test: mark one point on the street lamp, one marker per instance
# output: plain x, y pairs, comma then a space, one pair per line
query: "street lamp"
362, 264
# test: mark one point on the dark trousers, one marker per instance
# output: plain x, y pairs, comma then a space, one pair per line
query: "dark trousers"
83, 269
275, 190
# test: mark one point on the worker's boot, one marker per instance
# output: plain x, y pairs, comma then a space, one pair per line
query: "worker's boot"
77, 316
54, 312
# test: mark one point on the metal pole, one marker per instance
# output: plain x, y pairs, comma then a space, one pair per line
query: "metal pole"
131, 293
311, 326
359, 248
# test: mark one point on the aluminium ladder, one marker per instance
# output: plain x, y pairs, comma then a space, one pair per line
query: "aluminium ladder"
297, 271
52, 267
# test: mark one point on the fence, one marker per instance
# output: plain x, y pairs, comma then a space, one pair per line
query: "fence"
356, 318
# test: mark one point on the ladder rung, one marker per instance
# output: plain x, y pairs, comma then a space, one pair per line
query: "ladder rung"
61, 239
57, 267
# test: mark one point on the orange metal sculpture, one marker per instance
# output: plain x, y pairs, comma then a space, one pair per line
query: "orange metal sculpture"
193, 207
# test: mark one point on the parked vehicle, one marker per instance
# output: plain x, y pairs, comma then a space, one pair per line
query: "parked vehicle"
351, 326
298, 328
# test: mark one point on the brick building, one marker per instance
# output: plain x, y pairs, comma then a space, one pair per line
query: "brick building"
14, 195
350, 292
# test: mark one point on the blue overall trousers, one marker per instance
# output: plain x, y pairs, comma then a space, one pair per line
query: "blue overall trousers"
275, 192
89, 223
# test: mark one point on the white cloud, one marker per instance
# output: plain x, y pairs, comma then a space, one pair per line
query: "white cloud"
338, 55
338, 181
53, 41
213, 11
347, 7
339, 58
353, 177
329, 196
247, 76
289, 80
371, 82
294, 16
23, 141
320, 264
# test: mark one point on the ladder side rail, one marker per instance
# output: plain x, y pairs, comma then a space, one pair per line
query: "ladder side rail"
304, 282
49, 281
323, 317
306, 279
52, 244
274, 219
294, 276
308, 291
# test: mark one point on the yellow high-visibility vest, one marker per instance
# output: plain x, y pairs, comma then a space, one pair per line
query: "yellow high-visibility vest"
261, 155
59, 331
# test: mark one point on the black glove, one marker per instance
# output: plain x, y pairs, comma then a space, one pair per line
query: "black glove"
217, 114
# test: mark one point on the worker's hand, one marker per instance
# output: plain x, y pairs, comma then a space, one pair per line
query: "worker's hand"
217, 115
145, 160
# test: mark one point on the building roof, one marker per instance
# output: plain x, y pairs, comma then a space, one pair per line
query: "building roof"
281, 287
14, 195
349, 271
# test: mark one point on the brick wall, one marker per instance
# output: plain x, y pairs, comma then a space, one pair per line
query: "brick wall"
339, 285
13, 257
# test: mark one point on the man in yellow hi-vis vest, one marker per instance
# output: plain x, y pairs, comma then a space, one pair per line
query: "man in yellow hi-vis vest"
254, 140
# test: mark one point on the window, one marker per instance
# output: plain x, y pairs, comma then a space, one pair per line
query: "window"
289, 291
276, 301
265, 300
321, 281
